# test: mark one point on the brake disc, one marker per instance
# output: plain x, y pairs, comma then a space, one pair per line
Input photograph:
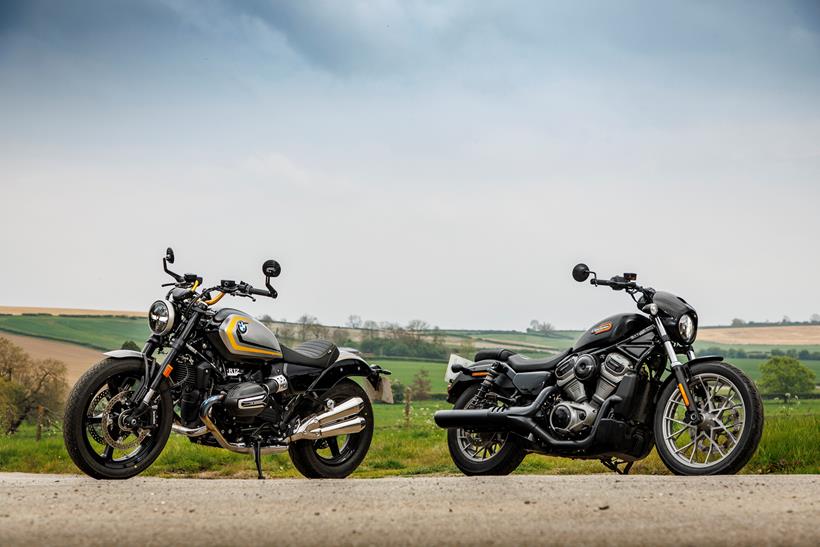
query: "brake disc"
95, 429
122, 442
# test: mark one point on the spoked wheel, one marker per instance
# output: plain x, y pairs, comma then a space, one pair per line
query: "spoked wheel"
482, 453
97, 436
336, 457
729, 432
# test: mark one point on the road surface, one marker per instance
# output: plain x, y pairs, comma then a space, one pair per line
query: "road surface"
517, 510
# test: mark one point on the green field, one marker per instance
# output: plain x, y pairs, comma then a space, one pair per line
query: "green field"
404, 371
560, 341
789, 445
105, 333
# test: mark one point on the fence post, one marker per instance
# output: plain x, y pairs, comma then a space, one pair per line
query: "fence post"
40, 412
408, 393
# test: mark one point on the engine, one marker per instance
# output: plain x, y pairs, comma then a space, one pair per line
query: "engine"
578, 412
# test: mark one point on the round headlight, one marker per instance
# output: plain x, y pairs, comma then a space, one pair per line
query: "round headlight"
161, 317
686, 328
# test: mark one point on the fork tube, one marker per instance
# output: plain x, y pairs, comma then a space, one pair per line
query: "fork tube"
679, 371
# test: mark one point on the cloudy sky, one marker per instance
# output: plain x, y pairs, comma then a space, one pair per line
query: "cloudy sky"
449, 161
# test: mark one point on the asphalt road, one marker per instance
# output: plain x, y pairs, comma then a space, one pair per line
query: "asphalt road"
517, 510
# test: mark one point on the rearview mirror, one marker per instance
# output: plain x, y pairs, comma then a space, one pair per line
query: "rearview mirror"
169, 255
580, 272
271, 268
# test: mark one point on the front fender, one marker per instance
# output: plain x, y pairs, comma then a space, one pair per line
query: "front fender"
125, 354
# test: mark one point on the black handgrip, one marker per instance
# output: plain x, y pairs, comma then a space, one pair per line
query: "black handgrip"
259, 292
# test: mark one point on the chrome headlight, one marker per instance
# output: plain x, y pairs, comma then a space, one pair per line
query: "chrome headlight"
161, 317
686, 328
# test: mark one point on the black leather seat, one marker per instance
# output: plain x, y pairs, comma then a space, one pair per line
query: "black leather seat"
519, 363
496, 354
313, 353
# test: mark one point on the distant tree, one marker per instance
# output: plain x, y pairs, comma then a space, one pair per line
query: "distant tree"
737, 322
371, 327
421, 385
418, 327
785, 375
786, 319
265, 318
130, 344
398, 391
307, 325
27, 384
540, 327
815, 318
354, 321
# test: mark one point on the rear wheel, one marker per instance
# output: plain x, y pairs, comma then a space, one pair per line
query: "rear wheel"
731, 428
336, 457
482, 453
96, 436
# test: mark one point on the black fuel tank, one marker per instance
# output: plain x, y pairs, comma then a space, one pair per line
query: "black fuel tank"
611, 331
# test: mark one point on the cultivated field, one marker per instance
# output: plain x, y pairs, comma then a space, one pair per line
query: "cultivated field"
19, 310
76, 358
803, 335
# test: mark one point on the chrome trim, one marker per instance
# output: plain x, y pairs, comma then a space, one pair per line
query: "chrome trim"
171, 317
349, 427
204, 414
180, 429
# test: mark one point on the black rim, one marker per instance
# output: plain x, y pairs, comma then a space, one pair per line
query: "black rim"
110, 443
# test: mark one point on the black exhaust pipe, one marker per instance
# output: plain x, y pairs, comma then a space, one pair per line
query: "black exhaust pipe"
518, 419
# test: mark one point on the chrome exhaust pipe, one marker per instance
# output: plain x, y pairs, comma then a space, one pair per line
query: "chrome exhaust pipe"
205, 416
348, 427
189, 431
330, 423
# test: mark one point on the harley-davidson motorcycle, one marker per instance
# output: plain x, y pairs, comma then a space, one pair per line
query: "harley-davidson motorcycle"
222, 379
621, 390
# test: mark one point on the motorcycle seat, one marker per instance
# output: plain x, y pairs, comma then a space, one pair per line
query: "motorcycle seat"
313, 353
519, 363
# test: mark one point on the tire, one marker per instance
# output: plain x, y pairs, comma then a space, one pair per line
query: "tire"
76, 428
504, 462
309, 457
740, 452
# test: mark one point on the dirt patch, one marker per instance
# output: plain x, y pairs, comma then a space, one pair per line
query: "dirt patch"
77, 359
807, 335
19, 310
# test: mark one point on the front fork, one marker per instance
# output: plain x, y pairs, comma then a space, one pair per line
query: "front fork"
160, 372
681, 372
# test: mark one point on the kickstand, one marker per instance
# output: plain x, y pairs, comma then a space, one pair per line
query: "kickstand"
257, 458
612, 464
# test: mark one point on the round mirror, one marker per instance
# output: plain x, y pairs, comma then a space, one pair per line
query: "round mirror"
271, 268
580, 272
169, 255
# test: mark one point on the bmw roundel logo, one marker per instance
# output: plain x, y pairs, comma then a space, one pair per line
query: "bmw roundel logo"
242, 327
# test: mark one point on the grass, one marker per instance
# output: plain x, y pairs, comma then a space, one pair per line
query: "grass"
791, 438
404, 371
105, 333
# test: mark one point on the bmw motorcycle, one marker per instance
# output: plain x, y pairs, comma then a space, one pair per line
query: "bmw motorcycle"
222, 379
621, 390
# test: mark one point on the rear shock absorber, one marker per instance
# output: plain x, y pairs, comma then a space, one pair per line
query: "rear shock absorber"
484, 387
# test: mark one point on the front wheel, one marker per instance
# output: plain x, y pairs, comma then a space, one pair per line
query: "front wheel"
482, 453
731, 426
336, 457
95, 431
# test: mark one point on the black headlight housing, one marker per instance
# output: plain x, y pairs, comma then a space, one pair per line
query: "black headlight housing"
679, 318
161, 317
